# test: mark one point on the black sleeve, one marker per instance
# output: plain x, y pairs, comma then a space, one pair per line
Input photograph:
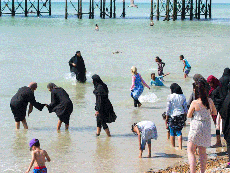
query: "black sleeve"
36, 104
163, 64
99, 95
53, 102
71, 61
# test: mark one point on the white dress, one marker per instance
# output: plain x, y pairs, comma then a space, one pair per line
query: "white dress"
200, 128
148, 130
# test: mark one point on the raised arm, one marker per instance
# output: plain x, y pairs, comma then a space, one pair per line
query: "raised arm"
31, 163
163, 64
144, 82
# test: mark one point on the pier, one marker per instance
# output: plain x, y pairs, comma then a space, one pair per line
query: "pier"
160, 9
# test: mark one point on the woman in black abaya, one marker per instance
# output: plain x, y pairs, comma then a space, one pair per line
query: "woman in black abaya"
104, 109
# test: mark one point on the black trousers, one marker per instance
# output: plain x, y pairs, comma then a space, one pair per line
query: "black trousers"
101, 123
136, 101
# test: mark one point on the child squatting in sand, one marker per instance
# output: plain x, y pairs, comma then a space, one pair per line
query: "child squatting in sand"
39, 157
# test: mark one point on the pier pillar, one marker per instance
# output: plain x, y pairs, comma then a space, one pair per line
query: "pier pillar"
0, 8
158, 9
13, 8
49, 7
174, 10
167, 10
90, 8
114, 8
198, 9
66, 10
206, 9
26, 9
103, 10
191, 10
151, 13
210, 9
183, 10
38, 10
80, 10
111, 9
123, 13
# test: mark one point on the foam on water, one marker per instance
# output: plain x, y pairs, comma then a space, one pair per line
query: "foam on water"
150, 97
72, 77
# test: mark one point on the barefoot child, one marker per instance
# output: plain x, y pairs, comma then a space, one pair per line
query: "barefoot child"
187, 66
146, 130
157, 81
39, 157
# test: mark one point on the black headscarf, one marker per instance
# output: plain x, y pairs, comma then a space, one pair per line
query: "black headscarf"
226, 72
175, 88
51, 86
100, 88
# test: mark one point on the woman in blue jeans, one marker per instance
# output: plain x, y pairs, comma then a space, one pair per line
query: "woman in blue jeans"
176, 113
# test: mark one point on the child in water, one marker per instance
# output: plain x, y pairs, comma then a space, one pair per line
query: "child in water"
146, 130
161, 65
157, 81
39, 157
187, 66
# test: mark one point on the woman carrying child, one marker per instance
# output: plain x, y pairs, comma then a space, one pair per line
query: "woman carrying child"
137, 86
146, 130
175, 113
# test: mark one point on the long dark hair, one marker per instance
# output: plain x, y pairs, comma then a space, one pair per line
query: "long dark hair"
175, 88
160, 60
200, 92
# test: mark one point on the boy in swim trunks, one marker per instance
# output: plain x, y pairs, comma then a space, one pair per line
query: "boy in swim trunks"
187, 66
39, 157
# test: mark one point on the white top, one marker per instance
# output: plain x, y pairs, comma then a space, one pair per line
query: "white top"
176, 105
148, 130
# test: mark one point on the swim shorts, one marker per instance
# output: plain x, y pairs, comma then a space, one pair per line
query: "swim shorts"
174, 132
187, 71
42, 169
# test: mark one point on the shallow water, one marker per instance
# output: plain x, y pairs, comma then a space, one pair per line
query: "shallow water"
38, 49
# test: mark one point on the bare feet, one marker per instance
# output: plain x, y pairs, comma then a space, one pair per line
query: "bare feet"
216, 145
149, 156
139, 105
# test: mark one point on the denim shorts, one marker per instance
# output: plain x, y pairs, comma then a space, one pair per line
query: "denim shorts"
174, 132
143, 143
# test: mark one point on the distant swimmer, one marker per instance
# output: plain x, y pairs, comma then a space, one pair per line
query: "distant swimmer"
77, 66
96, 27
20, 101
151, 23
117, 52
157, 80
132, 4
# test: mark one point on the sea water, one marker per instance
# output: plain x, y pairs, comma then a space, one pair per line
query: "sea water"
38, 49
